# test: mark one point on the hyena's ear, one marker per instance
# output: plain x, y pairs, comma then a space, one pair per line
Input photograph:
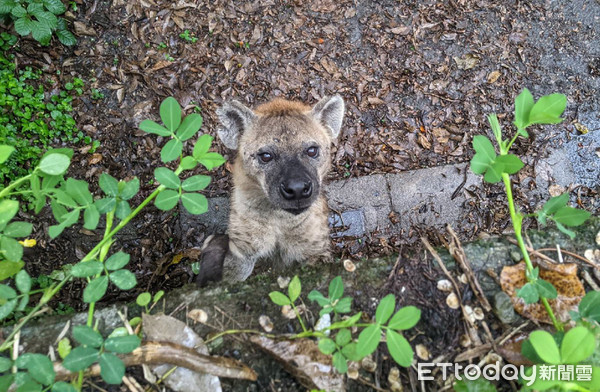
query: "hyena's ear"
329, 111
235, 118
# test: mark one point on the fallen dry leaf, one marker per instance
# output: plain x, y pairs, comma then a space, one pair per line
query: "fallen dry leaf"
82, 29
468, 61
563, 277
424, 142
402, 30
95, 158
493, 76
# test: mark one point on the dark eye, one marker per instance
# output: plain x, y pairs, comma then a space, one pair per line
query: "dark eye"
265, 157
312, 152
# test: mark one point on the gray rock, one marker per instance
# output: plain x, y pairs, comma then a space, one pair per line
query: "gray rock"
162, 328
504, 309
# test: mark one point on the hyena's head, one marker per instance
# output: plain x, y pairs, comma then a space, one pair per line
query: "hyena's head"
283, 147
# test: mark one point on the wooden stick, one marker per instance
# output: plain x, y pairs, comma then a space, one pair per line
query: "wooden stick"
158, 353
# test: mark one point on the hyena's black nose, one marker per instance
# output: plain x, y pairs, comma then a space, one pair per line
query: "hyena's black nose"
296, 189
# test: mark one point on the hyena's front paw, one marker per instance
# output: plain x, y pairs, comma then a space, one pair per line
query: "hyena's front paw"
214, 250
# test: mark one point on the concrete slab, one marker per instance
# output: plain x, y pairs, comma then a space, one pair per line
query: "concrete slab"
368, 194
584, 155
431, 197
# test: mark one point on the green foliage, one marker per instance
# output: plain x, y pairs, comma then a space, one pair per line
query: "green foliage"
498, 167
7, 41
70, 200
334, 302
547, 110
118, 194
188, 37
38, 18
179, 131
144, 299
94, 348
30, 121
536, 288
97, 94
342, 346
486, 161
575, 347
589, 307
479, 385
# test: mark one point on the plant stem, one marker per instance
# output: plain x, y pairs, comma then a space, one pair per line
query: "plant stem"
91, 254
517, 219
504, 151
109, 222
18, 193
43, 301
4, 192
234, 331
298, 316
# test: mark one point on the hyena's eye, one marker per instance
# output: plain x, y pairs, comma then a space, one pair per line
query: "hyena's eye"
265, 157
312, 152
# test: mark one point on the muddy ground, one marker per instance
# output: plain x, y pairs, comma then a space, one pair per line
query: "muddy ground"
418, 78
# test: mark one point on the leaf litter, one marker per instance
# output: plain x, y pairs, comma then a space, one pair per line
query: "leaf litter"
418, 79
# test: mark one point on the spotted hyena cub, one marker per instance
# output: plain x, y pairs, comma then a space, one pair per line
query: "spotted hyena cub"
278, 210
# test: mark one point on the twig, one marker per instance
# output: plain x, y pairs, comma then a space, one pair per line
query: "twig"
178, 308
512, 333
96, 386
165, 375
544, 261
479, 351
15, 350
459, 255
131, 384
394, 269
123, 317
158, 353
228, 316
364, 381
461, 185
575, 255
588, 278
63, 332
412, 379
537, 252
489, 334
474, 352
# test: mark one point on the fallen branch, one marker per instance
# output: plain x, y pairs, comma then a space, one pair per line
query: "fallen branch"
158, 353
